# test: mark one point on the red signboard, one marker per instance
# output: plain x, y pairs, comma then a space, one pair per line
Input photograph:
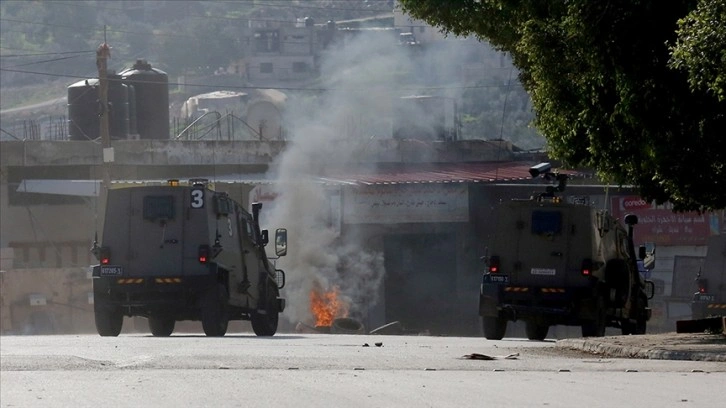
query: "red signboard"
661, 225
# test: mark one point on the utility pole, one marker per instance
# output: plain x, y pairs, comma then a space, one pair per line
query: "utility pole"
102, 54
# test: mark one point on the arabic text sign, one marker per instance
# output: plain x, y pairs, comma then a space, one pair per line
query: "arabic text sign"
408, 204
663, 226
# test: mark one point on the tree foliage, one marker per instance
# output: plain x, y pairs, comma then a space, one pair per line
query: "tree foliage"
701, 47
605, 90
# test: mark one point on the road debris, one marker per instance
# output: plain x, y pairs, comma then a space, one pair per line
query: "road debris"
393, 328
305, 328
477, 356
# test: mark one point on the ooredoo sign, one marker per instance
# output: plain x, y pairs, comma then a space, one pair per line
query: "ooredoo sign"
635, 203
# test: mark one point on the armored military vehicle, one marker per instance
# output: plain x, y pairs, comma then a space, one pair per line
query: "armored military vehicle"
557, 263
173, 252
710, 297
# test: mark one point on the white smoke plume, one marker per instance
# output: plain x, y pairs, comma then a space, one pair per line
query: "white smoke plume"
361, 78
358, 79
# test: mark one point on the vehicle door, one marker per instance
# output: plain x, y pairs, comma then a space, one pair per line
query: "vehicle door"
541, 247
156, 219
250, 248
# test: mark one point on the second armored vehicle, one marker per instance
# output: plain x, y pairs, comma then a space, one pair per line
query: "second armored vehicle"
555, 263
710, 298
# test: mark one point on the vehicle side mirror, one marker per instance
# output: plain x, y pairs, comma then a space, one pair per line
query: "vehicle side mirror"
647, 255
649, 289
281, 242
265, 237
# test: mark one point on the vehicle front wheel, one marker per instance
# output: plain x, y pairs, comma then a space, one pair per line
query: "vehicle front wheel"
494, 327
639, 310
109, 320
633, 327
264, 321
161, 326
596, 326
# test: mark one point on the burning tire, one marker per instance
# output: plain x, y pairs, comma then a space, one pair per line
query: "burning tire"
346, 325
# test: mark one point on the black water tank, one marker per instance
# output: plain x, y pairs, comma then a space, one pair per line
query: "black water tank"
118, 98
151, 87
83, 123
83, 109
133, 132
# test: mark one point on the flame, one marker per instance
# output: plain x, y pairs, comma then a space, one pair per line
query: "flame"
327, 305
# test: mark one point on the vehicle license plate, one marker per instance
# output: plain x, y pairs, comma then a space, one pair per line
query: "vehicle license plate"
543, 271
112, 270
489, 278
705, 298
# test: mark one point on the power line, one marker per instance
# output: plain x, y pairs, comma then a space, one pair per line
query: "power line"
43, 61
362, 88
41, 54
300, 6
146, 34
150, 34
223, 17
98, 30
288, 5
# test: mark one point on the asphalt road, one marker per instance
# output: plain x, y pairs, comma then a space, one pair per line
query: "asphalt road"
317, 370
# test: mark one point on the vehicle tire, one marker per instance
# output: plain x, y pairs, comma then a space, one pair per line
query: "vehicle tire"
536, 331
618, 279
264, 322
109, 320
641, 321
638, 326
596, 327
494, 327
161, 326
347, 325
627, 327
214, 313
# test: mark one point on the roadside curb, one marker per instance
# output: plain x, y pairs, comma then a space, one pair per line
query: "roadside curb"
616, 350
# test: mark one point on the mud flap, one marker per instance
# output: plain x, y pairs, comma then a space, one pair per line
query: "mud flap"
489, 301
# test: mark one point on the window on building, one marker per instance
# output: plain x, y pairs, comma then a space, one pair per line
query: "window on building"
266, 68
299, 67
267, 41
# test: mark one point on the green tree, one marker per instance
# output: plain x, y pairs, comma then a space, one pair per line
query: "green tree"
701, 47
605, 91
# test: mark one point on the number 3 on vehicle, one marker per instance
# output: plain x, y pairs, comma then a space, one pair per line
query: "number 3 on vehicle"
197, 198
